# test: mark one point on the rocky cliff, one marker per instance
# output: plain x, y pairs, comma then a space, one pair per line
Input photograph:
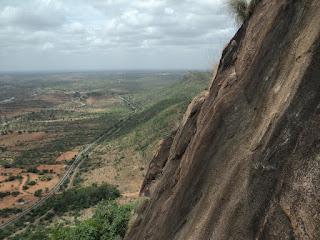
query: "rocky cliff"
245, 162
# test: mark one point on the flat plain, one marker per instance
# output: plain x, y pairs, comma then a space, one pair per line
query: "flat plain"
47, 119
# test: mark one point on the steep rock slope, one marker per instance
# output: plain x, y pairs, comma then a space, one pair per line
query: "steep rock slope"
245, 163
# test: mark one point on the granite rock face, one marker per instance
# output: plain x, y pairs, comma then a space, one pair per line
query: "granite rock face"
245, 162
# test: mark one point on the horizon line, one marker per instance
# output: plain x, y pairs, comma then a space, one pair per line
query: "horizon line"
102, 70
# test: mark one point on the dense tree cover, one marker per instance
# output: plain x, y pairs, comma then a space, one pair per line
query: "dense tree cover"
6, 212
109, 222
80, 198
70, 200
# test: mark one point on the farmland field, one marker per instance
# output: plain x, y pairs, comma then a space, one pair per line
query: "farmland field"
47, 119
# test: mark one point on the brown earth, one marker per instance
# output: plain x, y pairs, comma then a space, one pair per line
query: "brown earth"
23, 182
44, 182
54, 98
9, 202
3, 178
43, 185
55, 168
67, 156
244, 164
27, 103
10, 171
12, 202
9, 186
126, 174
102, 101
101, 104
15, 138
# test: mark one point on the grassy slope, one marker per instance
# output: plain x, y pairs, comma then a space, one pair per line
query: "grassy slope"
123, 159
163, 111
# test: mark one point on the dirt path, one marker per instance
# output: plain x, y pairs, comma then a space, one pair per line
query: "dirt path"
131, 194
23, 182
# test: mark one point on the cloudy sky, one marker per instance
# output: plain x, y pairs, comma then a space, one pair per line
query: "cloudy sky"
112, 34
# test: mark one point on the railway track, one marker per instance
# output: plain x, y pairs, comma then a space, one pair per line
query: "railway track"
72, 168
56, 188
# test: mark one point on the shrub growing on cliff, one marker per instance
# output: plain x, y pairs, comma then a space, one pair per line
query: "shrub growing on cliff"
239, 9
242, 9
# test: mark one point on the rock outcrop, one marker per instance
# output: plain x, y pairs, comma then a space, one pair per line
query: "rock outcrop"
245, 162
174, 146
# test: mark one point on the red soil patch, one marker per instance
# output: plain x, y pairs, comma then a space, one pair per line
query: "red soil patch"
103, 101
10, 171
91, 100
9, 202
10, 186
32, 176
67, 156
12, 202
43, 185
2, 178
54, 98
45, 181
28, 200
56, 168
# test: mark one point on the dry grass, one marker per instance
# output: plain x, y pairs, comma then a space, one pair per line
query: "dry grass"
118, 167
15, 138
67, 156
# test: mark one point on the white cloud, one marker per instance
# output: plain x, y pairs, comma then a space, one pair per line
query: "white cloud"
47, 46
75, 28
104, 27
169, 11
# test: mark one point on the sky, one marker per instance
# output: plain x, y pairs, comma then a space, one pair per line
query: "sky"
112, 34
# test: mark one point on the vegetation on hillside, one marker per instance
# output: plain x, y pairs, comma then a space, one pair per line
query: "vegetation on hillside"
125, 155
69, 201
242, 9
109, 222
163, 110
